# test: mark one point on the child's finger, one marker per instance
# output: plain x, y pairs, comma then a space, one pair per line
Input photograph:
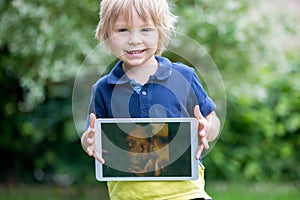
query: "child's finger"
90, 150
201, 120
205, 143
199, 151
90, 141
202, 133
92, 120
91, 132
98, 157
198, 113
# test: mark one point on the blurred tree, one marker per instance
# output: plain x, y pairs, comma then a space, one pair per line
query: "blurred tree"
43, 43
249, 43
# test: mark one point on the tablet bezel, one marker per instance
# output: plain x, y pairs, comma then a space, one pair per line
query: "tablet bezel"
193, 141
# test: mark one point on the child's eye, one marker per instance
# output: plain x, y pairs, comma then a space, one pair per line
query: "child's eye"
146, 29
120, 30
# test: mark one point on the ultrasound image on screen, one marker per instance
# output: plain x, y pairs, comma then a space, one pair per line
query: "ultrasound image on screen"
146, 149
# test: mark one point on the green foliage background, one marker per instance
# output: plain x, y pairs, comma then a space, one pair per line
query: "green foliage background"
255, 46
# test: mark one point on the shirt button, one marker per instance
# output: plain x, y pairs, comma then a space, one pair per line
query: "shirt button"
144, 93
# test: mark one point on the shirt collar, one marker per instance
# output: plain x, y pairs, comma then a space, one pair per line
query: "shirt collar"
118, 76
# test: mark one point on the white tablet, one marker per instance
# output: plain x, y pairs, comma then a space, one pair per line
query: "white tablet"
144, 149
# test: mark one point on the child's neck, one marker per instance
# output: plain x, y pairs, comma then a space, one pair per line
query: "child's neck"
141, 73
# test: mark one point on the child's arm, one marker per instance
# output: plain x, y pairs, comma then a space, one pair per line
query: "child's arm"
209, 128
88, 140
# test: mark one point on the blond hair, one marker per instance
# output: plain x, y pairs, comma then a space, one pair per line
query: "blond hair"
158, 10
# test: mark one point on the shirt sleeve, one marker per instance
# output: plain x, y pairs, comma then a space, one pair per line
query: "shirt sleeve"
203, 100
97, 103
91, 108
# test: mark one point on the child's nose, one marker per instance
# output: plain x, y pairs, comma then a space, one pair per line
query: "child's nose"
134, 37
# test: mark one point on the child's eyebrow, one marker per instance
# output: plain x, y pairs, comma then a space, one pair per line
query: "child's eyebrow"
146, 24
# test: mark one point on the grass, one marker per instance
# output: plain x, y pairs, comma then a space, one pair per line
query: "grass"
253, 191
218, 190
52, 192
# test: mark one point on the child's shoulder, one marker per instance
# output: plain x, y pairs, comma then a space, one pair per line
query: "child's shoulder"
115, 76
178, 66
102, 80
183, 68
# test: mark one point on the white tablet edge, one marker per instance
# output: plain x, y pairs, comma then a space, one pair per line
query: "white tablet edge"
194, 145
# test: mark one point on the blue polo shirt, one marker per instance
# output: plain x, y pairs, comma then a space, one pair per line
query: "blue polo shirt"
173, 91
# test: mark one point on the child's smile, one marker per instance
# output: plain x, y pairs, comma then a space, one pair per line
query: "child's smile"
136, 52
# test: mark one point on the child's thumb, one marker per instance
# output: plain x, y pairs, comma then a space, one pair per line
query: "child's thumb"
92, 120
198, 113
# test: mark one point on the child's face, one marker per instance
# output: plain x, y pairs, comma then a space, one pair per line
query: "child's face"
134, 43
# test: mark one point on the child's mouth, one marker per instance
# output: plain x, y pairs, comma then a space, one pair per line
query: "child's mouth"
135, 52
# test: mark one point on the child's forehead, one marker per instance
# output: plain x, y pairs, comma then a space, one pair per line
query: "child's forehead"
133, 18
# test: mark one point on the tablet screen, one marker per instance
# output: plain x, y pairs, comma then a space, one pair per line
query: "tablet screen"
147, 149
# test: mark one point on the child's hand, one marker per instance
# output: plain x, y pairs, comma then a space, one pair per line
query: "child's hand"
203, 128
88, 140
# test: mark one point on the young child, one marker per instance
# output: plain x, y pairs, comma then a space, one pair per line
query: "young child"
144, 84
